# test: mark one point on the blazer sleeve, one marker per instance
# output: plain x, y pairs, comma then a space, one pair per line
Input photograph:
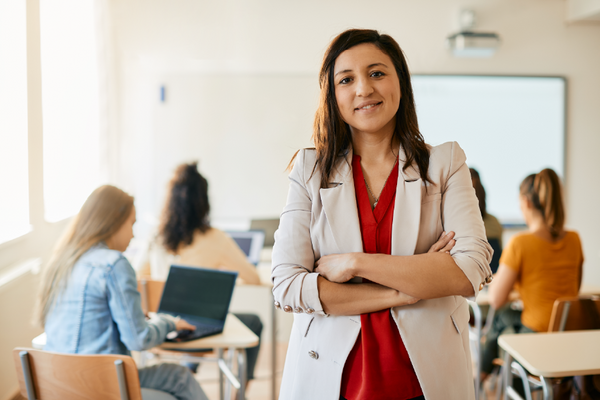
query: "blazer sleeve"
294, 282
460, 210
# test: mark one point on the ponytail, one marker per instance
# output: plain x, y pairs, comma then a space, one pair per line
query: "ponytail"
544, 191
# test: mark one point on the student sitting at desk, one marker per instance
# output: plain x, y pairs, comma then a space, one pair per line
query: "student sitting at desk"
545, 263
186, 238
493, 227
89, 303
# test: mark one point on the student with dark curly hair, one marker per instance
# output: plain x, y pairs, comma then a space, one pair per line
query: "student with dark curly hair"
186, 237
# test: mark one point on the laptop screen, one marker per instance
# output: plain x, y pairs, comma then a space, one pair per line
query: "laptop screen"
198, 292
251, 243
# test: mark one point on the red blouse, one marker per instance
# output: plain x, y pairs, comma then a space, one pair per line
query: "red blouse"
378, 367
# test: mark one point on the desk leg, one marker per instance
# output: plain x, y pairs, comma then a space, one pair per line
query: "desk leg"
506, 374
220, 356
273, 350
242, 371
547, 387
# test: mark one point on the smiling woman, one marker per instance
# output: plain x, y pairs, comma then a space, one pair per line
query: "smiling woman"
379, 242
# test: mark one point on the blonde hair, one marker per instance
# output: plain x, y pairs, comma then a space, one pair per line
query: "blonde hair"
544, 192
100, 217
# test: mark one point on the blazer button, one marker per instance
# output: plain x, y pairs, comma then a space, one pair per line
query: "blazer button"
489, 279
310, 311
313, 354
287, 309
481, 286
277, 305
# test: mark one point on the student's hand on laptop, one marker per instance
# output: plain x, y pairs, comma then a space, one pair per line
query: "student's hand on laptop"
181, 324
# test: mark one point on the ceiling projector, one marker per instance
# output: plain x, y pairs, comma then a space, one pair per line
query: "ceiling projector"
468, 43
473, 44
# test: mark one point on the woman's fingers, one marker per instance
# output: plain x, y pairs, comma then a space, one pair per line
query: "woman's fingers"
444, 244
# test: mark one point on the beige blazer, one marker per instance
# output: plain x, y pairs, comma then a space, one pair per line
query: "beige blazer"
318, 222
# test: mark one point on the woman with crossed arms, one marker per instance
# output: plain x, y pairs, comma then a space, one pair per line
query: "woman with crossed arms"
361, 256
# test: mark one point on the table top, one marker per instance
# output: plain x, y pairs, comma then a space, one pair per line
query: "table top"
556, 354
235, 334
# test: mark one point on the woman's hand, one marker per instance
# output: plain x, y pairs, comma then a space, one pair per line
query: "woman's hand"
405, 300
337, 268
444, 244
181, 324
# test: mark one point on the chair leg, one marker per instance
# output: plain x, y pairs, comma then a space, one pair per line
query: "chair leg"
516, 367
547, 387
24, 356
500, 383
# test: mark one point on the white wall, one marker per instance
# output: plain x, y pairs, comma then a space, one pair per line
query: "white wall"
159, 41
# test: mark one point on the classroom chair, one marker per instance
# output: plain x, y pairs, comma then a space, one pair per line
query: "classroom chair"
46, 375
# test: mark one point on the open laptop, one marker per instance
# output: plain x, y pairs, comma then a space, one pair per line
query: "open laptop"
200, 296
251, 243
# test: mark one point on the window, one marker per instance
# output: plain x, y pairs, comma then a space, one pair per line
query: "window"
70, 105
14, 171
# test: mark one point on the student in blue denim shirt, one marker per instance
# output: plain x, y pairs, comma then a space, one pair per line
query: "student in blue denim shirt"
89, 303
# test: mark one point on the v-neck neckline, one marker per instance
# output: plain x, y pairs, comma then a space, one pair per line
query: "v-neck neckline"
386, 196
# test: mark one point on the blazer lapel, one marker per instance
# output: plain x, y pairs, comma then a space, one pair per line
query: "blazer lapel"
407, 210
339, 204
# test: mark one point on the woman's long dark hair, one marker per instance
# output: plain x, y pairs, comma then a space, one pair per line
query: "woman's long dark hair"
479, 191
331, 135
186, 209
544, 192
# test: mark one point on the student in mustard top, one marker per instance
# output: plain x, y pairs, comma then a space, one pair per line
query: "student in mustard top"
187, 238
378, 302
89, 303
543, 264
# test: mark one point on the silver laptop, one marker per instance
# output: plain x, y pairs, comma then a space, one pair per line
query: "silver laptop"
251, 243
200, 296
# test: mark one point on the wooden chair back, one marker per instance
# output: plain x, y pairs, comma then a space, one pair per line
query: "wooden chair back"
151, 291
575, 313
55, 376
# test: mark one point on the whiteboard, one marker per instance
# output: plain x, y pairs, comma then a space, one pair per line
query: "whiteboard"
508, 126
244, 128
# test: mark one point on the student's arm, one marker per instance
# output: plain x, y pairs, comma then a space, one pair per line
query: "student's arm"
503, 283
124, 302
234, 259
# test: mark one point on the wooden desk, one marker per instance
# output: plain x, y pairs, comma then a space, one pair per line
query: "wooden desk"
552, 355
235, 335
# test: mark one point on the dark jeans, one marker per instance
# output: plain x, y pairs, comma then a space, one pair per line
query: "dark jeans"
252, 321
505, 319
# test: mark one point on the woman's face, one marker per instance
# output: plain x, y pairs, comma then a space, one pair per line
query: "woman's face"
367, 89
121, 238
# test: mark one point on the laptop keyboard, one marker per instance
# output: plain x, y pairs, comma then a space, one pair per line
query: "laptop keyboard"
186, 334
